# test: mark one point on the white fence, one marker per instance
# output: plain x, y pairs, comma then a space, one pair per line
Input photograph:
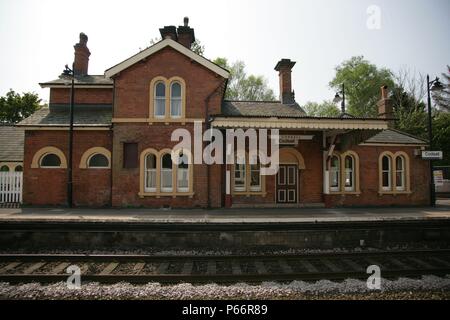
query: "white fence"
11, 187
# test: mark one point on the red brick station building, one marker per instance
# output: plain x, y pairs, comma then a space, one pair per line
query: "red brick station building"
123, 121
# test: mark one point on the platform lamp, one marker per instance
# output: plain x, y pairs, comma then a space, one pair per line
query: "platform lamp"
337, 99
434, 86
69, 73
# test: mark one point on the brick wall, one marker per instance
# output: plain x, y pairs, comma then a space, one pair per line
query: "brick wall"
49, 186
82, 96
368, 159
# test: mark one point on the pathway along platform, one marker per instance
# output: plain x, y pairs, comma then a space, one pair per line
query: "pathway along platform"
35, 229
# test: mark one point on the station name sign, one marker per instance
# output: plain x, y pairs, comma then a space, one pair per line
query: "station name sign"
432, 155
294, 138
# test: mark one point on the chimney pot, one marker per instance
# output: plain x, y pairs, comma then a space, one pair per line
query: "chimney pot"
82, 53
186, 35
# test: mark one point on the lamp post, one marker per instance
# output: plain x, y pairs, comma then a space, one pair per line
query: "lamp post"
337, 99
69, 73
434, 85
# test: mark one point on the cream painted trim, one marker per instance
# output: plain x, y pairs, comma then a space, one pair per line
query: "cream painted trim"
62, 86
168, 92
36, 162
248, 191
393, 145
393, 173
158, 193
294, 152
92, 151
65, 128
159, 46
11, 165
299, 123
155, 120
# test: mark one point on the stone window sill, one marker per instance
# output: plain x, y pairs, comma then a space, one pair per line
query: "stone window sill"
166, 194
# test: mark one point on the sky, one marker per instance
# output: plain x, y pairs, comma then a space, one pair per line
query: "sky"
37, 36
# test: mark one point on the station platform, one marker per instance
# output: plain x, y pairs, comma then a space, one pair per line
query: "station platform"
218, 216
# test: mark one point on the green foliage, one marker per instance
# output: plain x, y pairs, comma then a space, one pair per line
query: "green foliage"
15, 107
242, 86
442, 98
362, 85
411, 113
441, 136
324, 109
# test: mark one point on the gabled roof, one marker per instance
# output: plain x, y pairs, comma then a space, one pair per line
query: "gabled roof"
88, 81
261, 109
11, 143
159, 46
392, 136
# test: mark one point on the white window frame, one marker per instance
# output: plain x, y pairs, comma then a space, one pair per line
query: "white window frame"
257, 187
49, 167
178, 99
166, 189
389, 173
147, 171
180, 172
89, 160
333, 171
350, 171
403, 174
159, 98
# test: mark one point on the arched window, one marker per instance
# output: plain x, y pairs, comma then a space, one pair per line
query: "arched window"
50, 160
349, 162
334, 173
166, 173
255, 175
160, 100
150, 173
175, 100
18, 169
183, 174
98, 160
400, 173
4, 169
386, 172
239, 173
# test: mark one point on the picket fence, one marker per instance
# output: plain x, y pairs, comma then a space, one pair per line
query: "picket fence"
11, 187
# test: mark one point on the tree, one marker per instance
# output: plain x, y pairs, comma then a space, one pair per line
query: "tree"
15, 107
442, 97
408, 96
324, 109
242, 86
362, 85
196, 46
441, 136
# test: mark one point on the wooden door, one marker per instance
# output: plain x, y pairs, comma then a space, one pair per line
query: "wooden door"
287, 184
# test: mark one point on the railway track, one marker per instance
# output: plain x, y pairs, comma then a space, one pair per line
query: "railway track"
45, 268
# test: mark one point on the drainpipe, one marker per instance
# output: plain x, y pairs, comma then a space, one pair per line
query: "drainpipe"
112, 145
207, 126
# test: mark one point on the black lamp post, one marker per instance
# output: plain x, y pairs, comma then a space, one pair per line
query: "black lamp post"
69, 73
434, 85
337, 99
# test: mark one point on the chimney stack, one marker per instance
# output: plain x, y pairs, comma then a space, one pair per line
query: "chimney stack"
186, 34
82, 53
385, 109
169, 32
284, 67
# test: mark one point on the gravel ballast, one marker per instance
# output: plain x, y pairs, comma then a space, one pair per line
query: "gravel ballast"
428, 287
